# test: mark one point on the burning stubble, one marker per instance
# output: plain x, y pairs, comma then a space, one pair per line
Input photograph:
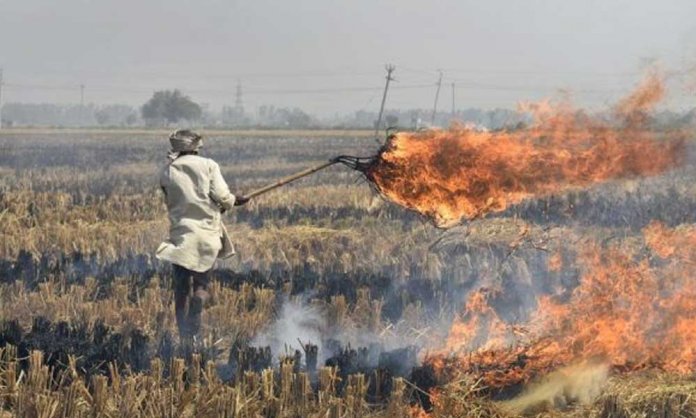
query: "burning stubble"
455, 174
634, 308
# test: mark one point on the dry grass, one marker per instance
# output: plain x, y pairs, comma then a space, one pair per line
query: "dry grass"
95, 193
242, 311
643, 395
188, 390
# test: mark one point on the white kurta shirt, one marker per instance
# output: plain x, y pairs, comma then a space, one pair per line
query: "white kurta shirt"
195, 193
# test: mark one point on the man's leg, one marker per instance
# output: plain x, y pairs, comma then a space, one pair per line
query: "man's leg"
198, 301
182, 291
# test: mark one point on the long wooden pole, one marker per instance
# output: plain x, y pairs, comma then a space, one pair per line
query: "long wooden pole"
289, 179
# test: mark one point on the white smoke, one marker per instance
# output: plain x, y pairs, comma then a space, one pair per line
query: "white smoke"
298, 321
295, 322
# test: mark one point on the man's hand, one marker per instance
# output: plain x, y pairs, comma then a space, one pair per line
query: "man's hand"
240, 200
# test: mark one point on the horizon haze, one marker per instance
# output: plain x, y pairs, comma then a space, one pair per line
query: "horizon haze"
329, 57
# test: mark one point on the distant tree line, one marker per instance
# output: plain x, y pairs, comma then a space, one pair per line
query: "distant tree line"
172, 107
68, 115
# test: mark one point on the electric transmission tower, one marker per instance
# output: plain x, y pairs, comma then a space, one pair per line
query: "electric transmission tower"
238, 103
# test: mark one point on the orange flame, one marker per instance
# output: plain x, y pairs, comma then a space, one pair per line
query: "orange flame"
455, 174
630, 314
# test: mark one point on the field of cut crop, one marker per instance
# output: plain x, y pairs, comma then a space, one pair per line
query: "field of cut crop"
339, 303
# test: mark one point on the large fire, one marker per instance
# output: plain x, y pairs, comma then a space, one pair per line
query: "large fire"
460, 173
633, 309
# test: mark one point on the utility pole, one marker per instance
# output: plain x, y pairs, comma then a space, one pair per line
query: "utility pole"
1, 81
390, 69
437, 96
82, 104
453, 108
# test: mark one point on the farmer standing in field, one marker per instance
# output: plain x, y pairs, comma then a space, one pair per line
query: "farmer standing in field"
196, 195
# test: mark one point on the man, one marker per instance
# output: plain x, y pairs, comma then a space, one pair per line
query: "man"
196, 196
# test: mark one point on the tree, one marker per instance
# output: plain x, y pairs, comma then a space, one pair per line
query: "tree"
170, 106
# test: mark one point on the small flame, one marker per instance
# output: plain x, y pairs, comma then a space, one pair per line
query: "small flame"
455, 174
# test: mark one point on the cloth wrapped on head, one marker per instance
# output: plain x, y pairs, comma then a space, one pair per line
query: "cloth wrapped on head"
184, 140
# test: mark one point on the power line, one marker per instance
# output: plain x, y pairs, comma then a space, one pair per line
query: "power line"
541, 89
336, 90
320, 93
40, 86
218, 91
356, 72
419, 71
232, 75
461, 83
524, 72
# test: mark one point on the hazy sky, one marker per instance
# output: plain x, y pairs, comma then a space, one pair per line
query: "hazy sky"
329, 56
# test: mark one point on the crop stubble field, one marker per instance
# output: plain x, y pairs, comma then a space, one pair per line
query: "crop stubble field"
87, 318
